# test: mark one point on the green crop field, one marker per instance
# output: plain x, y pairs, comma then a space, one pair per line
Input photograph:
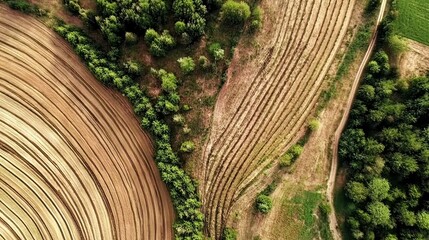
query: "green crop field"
413, 20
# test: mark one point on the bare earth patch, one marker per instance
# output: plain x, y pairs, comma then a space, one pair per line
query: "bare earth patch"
415, 61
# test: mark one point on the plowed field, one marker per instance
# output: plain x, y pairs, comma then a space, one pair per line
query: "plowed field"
74, 163
263, 109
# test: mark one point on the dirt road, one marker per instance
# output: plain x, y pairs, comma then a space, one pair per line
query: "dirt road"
74, 163
331, 181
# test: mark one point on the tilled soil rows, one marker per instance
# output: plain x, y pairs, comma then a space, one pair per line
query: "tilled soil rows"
74, 163
263, 110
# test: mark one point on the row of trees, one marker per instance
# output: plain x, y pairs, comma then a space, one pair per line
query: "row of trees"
386, 150
183, 189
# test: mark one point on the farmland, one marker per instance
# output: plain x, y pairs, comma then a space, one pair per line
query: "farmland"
218, 119
413, 20
265, 105
74, 161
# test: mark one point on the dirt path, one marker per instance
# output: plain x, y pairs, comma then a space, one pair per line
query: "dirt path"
74, 163
331, 181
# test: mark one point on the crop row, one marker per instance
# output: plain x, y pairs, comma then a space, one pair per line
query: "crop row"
277, 102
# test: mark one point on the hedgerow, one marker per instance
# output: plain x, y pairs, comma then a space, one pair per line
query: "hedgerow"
183, 189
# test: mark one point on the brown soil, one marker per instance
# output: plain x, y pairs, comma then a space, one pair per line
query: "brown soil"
414, 62
265, 104
74, 162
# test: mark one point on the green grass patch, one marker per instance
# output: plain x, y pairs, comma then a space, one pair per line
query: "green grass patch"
303, 207
413, 20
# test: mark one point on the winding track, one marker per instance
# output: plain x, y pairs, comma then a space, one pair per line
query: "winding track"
333, 224
258, 117
74, 163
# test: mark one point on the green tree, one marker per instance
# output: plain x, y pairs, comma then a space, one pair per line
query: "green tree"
187, 64
229, 234
373, 67
203, 62
130, 38
263, 203
187, 147
379, 189
357, 191
133, 67
379, 213
423, 220
216, 51
397, 44
233, 13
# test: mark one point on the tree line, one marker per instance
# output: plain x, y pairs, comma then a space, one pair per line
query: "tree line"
386, 150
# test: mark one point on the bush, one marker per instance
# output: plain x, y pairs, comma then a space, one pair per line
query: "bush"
286, 160
397, 44
179, 119
263, 203
256, 19
187, 147
216, 51
133, 68
159, 44
313, 124
296, 150
187, 64
203, 62
229, 234
235, 13
130, 38
180, 27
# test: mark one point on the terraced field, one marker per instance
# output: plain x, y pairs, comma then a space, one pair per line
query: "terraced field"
74, 163
263, 110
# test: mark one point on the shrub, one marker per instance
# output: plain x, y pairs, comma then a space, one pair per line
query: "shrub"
159, 44
178, 119
216, 51
229, 234
263, 203
204, 62
235, 13
313, 124
187, 64
296, 150
286, 160
150, 35
187, 147
397, 44
133, 68
130, 38
180, 27
256, 19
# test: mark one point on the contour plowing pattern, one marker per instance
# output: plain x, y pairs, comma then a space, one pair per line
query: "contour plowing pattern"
261, 112
74, 163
